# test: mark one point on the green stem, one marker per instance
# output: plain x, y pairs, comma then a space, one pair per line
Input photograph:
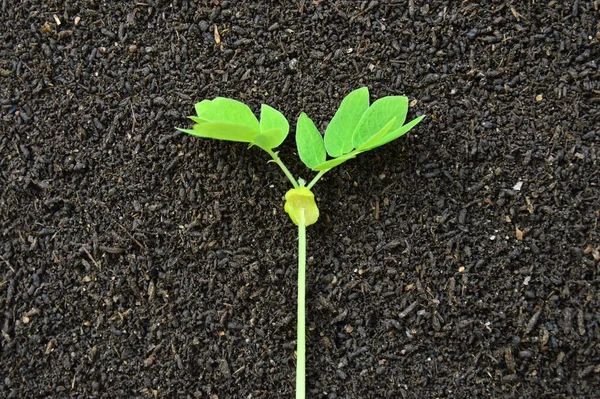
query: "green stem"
301, 339
283, 167
316, 179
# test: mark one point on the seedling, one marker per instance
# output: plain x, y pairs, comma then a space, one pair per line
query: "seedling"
356, 127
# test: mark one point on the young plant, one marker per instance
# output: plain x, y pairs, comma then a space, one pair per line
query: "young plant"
356, 127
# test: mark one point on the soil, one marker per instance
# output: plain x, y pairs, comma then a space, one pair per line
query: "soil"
461, 261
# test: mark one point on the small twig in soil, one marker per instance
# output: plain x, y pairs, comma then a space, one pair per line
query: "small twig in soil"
7, 263
91, 257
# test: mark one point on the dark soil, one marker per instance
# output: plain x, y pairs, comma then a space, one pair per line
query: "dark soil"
461, 261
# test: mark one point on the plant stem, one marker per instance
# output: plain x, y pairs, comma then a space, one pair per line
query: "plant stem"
316, 179
301, 339
283, 167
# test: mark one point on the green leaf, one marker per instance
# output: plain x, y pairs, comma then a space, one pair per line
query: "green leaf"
309, 141
222, 131
227, 110
224, 119
336, 161
378, 116
396, 133
338, 136
374, 139
274, 128
197, 119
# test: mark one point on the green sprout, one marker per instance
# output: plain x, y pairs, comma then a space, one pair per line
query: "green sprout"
356, 127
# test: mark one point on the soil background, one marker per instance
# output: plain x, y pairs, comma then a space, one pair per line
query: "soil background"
460, 261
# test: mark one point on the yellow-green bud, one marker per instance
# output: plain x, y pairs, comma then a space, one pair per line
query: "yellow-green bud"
300, 205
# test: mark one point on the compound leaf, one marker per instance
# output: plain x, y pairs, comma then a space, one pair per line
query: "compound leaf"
309, 142
377, 117
338, 135
274, 128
